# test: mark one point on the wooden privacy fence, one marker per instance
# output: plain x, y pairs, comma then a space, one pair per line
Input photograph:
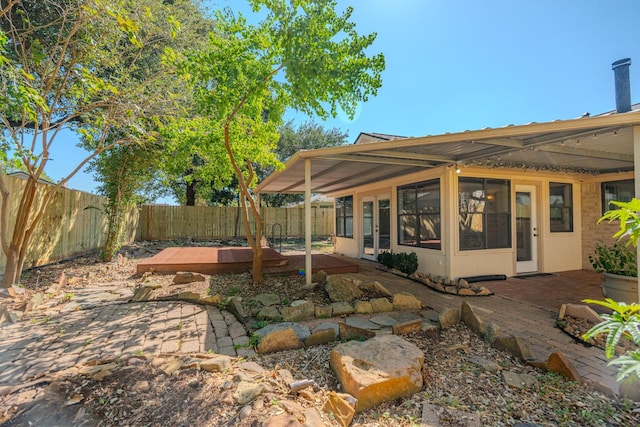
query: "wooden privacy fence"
74, 223
158, 222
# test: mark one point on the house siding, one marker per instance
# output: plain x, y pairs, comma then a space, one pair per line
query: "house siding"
556, 251
592, 232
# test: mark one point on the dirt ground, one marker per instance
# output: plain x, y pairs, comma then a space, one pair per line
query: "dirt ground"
140, 390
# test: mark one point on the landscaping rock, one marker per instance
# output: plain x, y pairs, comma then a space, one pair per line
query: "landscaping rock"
235, 306
183, 277
189, 296
342, 288
270, 313
348, 332
463, 284
406, 301
267, 299
326, 325
212, 300
514, 345
559, 363
381, 305
383, 320
491, 332
484, 291
324, 312
431, 415
5, 317
341, 309
471, 319
321, 276
322, 336
363, 307
376, 288
381, 369
283, 420
486, 364
280, 340
466, 292
247, 392
305, 310
519, 381
217, 363
579, 311
312, 418
339, 408
404, 316
143, 294
302, 332
408, 327
359, 322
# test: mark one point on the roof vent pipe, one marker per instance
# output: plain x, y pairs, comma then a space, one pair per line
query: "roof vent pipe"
623, 86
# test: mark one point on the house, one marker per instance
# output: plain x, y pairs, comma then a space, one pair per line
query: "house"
510, 200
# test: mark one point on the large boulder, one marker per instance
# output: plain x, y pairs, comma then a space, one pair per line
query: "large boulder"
343, 288
381, 369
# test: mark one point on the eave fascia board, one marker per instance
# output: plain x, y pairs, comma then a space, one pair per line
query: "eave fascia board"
502, 134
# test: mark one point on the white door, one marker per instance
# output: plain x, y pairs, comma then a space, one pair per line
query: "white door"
376, 226
526, 229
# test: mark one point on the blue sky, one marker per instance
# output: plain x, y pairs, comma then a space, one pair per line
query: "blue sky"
457, 65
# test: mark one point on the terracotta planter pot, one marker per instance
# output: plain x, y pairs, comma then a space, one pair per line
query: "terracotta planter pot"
620, 288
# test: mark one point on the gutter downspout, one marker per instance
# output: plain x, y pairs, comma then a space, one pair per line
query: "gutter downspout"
307, 221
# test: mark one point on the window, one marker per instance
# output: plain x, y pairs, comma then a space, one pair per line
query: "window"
419, 215
344, 216
561, 207
620, 191
485, 213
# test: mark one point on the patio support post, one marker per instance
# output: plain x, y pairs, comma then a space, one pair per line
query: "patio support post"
307, 221
636, 175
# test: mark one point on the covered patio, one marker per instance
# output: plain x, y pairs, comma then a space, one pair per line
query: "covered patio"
577, 149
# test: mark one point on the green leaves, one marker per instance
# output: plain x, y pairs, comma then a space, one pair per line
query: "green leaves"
624, 322
627, 216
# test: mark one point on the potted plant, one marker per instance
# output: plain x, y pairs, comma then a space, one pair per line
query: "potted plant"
618, 265
624, 320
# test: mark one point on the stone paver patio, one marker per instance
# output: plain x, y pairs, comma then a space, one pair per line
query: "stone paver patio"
52, 343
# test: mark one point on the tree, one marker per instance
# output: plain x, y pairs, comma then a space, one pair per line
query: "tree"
125, 170
307, 136
303, 55
66, 64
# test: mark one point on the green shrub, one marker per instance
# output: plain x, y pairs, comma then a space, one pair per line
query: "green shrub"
616, 259
405, 262
386, 258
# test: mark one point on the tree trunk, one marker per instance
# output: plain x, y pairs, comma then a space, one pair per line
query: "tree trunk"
114, 231
11, 271
22, 232
191, 194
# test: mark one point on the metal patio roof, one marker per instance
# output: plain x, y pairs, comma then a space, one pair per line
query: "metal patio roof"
590, 145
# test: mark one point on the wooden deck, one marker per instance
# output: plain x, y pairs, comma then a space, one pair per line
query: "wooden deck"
207, 260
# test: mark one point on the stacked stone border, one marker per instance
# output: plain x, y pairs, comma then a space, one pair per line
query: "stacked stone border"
460, 287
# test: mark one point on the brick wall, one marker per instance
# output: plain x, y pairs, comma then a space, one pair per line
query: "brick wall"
591, 212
